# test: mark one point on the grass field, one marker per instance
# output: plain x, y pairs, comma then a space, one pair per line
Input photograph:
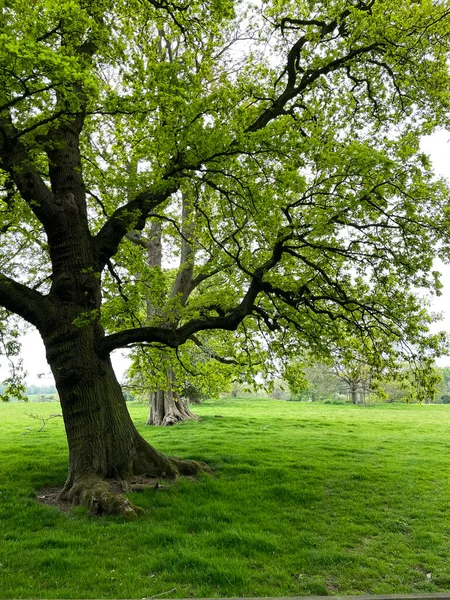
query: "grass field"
304, 499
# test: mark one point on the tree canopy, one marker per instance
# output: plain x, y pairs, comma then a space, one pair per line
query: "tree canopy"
294, 129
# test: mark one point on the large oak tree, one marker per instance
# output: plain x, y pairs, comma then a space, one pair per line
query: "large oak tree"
296, 127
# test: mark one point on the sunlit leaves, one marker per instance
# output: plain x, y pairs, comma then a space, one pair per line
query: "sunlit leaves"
294, 125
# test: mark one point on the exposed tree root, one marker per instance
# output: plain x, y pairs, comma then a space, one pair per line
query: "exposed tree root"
177, 416
101, 497
106, 496
189, 467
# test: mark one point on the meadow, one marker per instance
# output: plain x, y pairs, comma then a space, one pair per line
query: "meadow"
302, 499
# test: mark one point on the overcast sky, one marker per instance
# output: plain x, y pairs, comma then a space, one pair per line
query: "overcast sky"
437, 146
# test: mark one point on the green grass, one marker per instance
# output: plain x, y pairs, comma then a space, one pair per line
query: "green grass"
305, 499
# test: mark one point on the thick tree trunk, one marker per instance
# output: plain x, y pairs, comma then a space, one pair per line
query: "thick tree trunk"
167, 407
105, 449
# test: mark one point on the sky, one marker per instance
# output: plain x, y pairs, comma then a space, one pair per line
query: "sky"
437, 146
33, 351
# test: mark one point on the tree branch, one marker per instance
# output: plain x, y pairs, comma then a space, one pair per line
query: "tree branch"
129, 217
182, 286
27, 303
175, 337
14, 160
291, 91
212, 353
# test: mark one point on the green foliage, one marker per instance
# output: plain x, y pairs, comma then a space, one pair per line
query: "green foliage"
417, 383
192, 393
305, 167
320, 382
13, 386
196, 374
295, 378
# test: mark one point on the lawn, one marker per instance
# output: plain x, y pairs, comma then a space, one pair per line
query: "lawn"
303, 499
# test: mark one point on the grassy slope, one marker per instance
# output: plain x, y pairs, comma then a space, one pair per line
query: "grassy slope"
305, 499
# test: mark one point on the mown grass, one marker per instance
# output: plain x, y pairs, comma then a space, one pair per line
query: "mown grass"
304, 499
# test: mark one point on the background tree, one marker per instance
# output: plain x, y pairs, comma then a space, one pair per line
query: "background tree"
355, 373
321, 211
201, 367
411, 384
166, 404
312, 380
444, 387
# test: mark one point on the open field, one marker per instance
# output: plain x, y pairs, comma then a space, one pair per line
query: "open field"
304, 499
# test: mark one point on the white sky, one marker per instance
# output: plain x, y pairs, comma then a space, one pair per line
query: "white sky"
33, 351
437, 146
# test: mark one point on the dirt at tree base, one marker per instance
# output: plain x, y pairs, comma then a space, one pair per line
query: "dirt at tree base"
50, 496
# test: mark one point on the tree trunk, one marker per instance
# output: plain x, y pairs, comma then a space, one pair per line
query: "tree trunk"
354, 394
105, 449
166, 406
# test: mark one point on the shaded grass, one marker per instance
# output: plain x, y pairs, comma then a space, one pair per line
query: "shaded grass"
304, 499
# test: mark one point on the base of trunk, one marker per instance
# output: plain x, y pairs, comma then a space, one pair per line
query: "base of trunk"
104, 494
167, 408
106, 452
101, 497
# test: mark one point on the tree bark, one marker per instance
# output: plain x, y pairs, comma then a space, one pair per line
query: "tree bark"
105, 449
167, 407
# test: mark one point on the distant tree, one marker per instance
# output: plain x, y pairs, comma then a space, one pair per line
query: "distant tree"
409, 384
445, 373
357, 376
312, 381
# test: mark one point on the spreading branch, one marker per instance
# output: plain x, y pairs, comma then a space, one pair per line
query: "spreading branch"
20, 299
128, 218
15, 160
